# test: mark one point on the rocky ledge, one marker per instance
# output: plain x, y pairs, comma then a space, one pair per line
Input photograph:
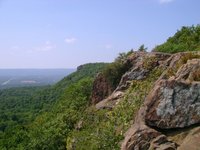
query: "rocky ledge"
141, 64
173, 104
169, 118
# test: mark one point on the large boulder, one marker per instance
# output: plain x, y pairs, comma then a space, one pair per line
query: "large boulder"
175, 102
143, 137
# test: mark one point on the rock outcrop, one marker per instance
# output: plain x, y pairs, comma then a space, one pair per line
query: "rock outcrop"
142, 137
101, 89
111, 101
173, 103
141, 64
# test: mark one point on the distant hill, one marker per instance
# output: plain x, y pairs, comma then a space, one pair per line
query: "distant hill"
31, 77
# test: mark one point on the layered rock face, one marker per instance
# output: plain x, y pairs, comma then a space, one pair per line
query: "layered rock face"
141, 64
173, 103
101, 89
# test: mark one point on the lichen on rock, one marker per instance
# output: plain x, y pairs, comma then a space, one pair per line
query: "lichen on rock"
173, 102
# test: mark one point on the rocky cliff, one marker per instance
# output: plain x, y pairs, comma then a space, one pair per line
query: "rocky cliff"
101, 89
169, 116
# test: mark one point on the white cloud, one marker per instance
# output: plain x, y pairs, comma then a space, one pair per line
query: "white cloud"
16, 50
108, 46
165, 1
70, 40
47, 46
47, 42
15, 47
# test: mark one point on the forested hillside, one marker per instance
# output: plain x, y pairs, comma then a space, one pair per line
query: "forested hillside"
185, 39
36, 118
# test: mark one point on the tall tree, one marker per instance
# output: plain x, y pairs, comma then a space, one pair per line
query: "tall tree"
142, 48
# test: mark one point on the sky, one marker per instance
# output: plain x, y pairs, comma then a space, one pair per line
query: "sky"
68, 33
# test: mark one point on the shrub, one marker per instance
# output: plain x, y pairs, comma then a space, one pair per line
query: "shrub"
186, 39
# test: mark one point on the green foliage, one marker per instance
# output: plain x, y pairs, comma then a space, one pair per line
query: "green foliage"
188, 56
104, 129
59, 117
41, 118
19, 108
148, 62
123, 56
86, 70
114, 71
186, 39
142, 48
66, 120
49, 131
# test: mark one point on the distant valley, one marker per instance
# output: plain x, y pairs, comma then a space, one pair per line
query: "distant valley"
31, 77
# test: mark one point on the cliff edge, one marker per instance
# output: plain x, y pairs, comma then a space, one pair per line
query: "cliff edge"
169, 115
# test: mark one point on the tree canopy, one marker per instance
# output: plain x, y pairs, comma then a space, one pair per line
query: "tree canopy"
186, 39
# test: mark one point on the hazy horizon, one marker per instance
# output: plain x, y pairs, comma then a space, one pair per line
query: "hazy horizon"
40, 70
68, 33
31, 77
35, 68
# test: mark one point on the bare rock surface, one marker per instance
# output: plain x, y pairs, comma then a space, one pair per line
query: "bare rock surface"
143, 137
190, 71
142, 64
192, 140
111, 101
101, 89
175, 103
